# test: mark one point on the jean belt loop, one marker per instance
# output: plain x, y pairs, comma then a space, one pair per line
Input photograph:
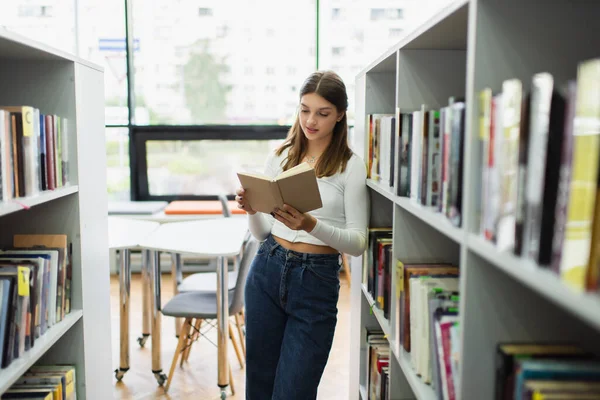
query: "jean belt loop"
304, 257
273, 248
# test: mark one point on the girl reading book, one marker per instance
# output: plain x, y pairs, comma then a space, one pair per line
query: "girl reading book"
293, 284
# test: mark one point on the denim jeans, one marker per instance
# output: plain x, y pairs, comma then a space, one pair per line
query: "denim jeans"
291, 314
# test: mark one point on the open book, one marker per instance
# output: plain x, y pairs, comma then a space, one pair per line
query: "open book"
296, 187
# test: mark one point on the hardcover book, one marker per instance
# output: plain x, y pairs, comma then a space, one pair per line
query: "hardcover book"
296, 187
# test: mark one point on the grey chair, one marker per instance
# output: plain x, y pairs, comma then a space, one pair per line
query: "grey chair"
196, 307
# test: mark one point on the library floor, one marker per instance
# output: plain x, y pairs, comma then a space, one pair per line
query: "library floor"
198, 378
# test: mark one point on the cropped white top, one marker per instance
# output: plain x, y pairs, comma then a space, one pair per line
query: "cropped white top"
341, 222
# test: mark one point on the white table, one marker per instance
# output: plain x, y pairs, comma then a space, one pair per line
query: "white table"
126, 234
211, 238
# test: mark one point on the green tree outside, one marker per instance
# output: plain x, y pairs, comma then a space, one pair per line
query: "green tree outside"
205, 94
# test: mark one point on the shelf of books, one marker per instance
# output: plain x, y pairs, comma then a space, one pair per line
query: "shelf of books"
483, 165
20, 366
53, 240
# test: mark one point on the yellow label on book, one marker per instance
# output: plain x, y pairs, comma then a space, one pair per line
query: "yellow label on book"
23, 285
399, 278
27, 121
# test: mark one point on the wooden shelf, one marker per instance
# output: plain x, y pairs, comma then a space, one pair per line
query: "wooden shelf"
585, 306
432, 218
18, 367
24, 203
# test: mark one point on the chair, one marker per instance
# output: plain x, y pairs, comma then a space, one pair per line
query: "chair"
196, 307
207, 281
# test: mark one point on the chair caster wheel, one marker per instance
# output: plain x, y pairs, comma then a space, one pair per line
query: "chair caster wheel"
160, 378
223, 395
142, 340
120, 373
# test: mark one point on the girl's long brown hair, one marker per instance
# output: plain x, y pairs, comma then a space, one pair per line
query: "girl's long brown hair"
330, 86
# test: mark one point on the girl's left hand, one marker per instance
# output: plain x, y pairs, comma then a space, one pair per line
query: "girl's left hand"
294, 219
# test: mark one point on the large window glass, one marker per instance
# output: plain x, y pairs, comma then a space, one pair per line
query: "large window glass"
51, 21
102, 41
117, 163
202, 167
354, 33
210, 62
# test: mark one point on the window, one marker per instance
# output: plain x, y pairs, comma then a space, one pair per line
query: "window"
231, 46
396, 32
378, 14
205, 12
35, 11
117, 163
202, 167
337, 51
49, 22
234, 70
191, 162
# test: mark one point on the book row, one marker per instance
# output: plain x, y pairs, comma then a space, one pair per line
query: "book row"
544, 371
426, 318
45, 382
539, 172
428, 167
34, 152
35, 291
427, 331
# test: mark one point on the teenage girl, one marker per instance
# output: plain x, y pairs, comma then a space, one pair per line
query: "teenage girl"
293, 284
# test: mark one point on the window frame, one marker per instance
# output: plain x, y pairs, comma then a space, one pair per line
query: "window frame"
140, 135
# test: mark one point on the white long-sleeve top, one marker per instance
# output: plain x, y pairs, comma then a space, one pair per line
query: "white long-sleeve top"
341, 222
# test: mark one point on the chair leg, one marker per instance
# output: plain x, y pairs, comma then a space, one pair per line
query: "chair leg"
238, 323
183, 334
192, 338
235, 346
231, 382
346, 266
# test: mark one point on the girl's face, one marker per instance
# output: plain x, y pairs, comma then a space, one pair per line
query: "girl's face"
318, 117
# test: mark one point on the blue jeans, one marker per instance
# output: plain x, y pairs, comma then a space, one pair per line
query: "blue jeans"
291, 314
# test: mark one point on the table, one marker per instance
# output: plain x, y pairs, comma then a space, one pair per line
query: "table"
211, 238
125, 235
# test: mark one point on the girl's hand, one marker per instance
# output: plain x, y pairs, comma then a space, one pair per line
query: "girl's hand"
294, 219
242, 202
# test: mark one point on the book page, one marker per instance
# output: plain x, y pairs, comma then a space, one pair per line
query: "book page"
294, 171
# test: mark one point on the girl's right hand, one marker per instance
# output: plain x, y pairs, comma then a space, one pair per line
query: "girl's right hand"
242, 202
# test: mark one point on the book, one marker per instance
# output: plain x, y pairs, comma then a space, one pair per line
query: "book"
582, 187
507, 355
296, 187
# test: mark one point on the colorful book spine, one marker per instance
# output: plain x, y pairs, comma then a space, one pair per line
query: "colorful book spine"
582, 196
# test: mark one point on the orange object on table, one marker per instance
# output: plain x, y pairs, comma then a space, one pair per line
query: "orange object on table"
206, 207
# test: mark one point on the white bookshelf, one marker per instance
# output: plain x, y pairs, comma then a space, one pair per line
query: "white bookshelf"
58, 83
469, 45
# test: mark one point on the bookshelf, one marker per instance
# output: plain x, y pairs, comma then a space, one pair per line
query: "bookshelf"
58, 83
468, 46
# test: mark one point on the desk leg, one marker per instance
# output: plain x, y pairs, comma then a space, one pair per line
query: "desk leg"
177, 276
124, 291
156, 317
145, 298
222, 323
